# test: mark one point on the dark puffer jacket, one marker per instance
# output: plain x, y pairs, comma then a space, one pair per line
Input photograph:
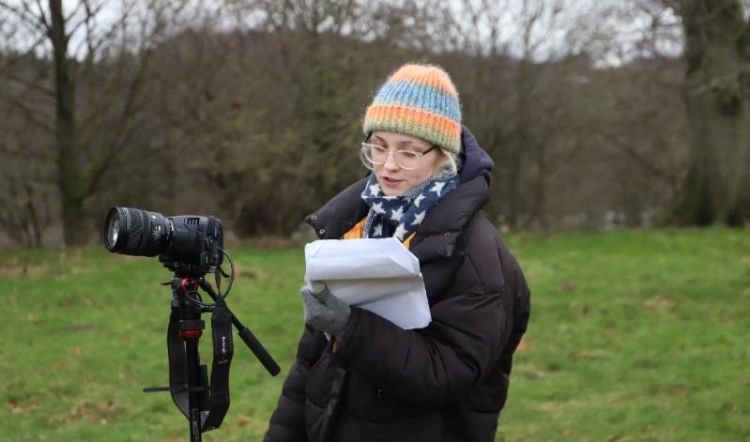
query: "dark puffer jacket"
446, 382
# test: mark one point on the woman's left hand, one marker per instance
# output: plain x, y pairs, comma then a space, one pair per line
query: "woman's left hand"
323, 310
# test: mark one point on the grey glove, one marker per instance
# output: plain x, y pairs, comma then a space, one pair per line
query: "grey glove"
323, 311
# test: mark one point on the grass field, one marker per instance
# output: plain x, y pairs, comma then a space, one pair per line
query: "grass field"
635, 336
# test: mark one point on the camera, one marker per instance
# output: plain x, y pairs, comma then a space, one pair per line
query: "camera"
190, 246
193, 242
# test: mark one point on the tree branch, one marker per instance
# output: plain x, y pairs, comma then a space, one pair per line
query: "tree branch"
29, 113
26, 16
43, 17
31, 85
628, 150
10, 61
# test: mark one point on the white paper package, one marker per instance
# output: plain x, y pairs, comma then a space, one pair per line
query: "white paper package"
379, 275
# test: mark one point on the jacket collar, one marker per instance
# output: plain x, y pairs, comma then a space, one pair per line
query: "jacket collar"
340, 213
437, 236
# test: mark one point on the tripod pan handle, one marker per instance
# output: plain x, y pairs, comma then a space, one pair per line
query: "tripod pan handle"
259, 351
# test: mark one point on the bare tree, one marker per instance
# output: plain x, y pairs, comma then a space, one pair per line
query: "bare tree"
514, 47
93, 89
717, 52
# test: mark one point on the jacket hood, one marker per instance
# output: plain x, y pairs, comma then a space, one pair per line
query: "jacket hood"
475, 160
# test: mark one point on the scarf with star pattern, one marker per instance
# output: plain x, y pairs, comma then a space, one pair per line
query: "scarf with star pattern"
398, 216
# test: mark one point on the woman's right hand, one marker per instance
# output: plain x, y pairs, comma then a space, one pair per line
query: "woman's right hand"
324, 311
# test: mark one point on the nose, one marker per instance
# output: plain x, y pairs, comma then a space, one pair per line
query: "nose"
390, 161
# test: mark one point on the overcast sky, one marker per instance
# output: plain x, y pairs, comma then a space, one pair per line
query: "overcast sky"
579, 23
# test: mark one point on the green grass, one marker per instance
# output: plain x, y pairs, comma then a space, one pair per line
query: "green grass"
635, 335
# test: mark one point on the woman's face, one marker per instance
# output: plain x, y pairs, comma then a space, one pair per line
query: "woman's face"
395, 180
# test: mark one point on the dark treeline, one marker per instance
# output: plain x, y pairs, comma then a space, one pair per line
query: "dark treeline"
259, 123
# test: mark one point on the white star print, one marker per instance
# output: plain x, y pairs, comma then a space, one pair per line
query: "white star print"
397, 214
374, 189
437, 188
418, 200
418, 218
378, 208
400, 232
377, 230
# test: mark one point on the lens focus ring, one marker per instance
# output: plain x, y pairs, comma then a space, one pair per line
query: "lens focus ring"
135, 226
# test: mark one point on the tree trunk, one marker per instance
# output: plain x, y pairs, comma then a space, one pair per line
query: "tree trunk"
72, 187
716, 189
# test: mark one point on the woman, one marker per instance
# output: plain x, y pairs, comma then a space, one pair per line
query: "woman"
373, 381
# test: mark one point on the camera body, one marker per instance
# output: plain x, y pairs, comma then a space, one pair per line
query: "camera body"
189, 242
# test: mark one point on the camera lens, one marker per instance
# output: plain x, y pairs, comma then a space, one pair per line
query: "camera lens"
136, 232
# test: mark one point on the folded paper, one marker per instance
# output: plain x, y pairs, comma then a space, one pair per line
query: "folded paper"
379, 275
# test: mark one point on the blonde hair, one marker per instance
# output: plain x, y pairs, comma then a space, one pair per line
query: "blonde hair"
449, 167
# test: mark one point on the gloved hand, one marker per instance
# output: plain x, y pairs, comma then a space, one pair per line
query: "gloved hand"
323, 311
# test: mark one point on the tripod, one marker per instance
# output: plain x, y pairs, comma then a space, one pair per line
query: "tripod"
203, 404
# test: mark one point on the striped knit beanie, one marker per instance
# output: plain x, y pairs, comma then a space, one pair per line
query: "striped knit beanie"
421, 101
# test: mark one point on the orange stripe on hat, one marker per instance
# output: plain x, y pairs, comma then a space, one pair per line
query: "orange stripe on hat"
416, 122
426, 75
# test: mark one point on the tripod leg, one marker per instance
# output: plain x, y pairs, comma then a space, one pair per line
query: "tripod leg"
194, 386
190, 329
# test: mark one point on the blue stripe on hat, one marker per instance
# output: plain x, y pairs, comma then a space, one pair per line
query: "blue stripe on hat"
428, 98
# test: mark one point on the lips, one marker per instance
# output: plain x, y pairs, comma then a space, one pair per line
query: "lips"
390, 182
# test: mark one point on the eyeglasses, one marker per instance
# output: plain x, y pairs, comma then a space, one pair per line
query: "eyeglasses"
376, 155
